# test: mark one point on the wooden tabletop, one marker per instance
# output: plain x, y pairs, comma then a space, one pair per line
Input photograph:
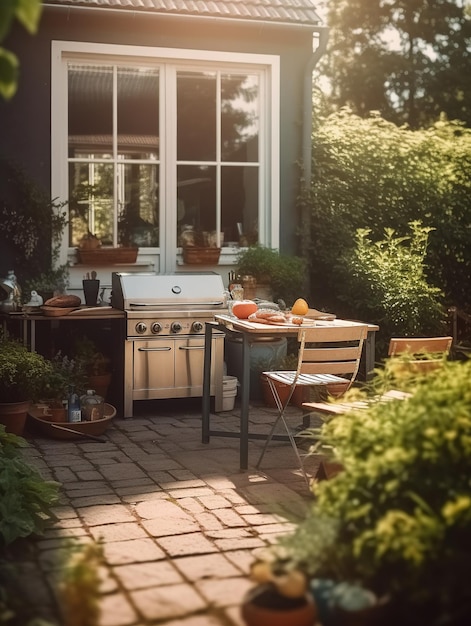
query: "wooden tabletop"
234, 323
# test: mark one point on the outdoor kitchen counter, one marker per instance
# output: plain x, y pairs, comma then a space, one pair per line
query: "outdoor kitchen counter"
28, 320
247, 330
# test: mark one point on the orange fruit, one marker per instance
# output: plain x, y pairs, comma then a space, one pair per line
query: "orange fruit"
300, 307
243, 308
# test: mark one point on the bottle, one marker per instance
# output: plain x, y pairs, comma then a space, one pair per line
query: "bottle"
74, 412
92, 406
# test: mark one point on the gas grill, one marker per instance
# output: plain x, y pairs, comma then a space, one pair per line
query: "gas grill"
164, 343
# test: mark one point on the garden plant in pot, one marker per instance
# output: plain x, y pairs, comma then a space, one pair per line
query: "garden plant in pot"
396, 520
95, 364
64, 373
22, 378
277, 276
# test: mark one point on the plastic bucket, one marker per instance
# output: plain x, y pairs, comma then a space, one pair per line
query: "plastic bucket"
266, 353
229, 392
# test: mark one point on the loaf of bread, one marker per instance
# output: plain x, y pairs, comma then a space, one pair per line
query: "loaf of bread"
268, 316
64, 301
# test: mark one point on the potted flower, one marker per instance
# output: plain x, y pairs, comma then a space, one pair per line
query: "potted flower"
22, 377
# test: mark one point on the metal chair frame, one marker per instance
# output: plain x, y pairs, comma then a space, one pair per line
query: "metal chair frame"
326, 357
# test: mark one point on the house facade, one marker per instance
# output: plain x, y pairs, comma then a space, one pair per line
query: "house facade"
163, 121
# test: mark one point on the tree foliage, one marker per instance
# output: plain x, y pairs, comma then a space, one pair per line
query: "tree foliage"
28, 13
408, 59
370, 174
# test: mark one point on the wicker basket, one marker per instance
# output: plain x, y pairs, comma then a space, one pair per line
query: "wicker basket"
104, 256
195, 254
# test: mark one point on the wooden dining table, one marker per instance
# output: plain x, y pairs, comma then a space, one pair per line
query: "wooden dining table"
248, 331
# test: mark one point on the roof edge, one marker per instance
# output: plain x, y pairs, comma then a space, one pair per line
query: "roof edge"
316, 27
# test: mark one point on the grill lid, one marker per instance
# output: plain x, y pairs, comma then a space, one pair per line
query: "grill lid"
146, 291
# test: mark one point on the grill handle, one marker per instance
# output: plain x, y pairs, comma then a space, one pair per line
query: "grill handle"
165, 349
186, 304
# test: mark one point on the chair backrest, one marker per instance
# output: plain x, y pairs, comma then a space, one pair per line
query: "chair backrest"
332, 350
426, 353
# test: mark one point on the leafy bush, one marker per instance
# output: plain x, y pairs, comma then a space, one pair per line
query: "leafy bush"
285, 274
31, 228
402, 505
371, 174
23, 374
25, 497
388, 284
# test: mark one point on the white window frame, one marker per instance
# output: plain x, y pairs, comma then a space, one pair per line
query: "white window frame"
269, 131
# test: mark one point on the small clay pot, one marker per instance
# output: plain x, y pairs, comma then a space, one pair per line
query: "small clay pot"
264, 606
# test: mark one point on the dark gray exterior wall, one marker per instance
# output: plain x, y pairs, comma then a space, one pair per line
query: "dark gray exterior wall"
25, 120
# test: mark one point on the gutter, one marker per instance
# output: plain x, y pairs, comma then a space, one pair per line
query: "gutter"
323, 33
305, 216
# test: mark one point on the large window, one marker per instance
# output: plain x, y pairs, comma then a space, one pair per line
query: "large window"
157, 146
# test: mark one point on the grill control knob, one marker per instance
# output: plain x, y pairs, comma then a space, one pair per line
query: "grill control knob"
156, 328
176, 327
197, 327
141, 328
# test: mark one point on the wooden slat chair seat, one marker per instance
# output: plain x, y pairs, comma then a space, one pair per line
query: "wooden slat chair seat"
432, 353
327, 358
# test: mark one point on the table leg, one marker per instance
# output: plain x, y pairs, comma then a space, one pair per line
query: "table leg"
244, 403
369, 353
208, 336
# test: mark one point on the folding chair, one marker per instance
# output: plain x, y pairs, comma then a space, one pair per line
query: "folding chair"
328, 357
420, 354
416, 356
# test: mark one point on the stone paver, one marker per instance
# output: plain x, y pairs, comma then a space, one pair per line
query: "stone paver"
178, 521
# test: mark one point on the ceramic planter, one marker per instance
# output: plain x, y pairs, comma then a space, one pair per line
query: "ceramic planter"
264, 606
13, 416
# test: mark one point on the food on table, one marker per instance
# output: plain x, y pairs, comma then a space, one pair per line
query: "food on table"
243, 308
300, 307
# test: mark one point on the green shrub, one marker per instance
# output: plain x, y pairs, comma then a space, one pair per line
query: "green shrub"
25, 497
402, 504
389, 286
371, 174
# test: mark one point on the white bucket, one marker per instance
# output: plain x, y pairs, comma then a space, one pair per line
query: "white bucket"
229, 392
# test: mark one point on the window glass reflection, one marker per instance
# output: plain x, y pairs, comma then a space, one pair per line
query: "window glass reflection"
138, 113
239, 118
196, 116
239, 205
91, 202
90, 94
138, 205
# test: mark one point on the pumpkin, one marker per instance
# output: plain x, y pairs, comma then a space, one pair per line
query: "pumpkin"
243, 308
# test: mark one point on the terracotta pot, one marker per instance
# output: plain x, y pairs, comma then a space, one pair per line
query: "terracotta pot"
13, 416
264, 606
300, 394
100, 384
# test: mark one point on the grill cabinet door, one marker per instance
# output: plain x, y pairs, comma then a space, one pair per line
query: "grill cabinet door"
154, 364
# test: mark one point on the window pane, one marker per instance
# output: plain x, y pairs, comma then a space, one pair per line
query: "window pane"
138, 113
196, 198
239, 118
239, 202
138, 221
90, 90
196, 116
91, 201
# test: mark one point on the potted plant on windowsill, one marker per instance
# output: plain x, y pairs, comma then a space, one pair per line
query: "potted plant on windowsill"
22, 378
